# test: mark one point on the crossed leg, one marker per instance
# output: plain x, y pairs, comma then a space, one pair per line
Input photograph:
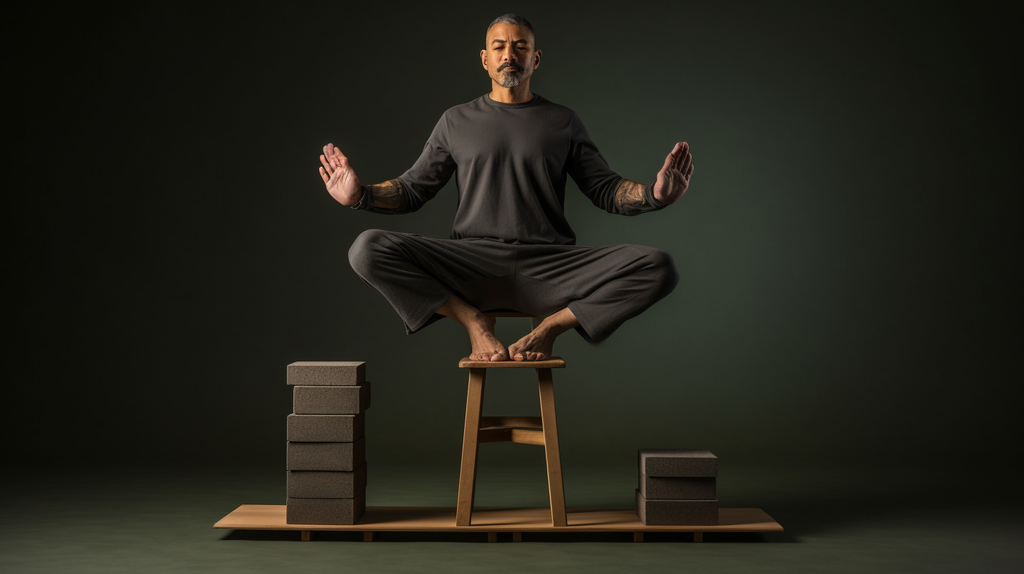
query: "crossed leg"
592, 289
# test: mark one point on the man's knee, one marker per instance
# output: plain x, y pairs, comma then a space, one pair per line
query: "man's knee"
662, 270
366, 250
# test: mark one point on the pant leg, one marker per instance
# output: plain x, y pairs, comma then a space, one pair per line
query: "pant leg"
418, 274
602, 286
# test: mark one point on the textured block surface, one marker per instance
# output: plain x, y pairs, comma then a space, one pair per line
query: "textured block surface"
325, 510
678, 488
315, 373
325, 428
690, 463
346, 456
679, 512
341, 400
318, 484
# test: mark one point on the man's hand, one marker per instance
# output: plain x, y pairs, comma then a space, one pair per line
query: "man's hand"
674, 177
339, 177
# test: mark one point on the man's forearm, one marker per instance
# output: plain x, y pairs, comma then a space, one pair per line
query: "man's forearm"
386, 197
631, 198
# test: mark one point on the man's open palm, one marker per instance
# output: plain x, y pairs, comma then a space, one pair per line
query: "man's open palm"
339, 177
674, 177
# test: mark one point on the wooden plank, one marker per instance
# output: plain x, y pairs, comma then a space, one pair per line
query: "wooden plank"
556, 492
527, 436
494, 435
470, 446
442, 519
552, 363
368, 536
517, 422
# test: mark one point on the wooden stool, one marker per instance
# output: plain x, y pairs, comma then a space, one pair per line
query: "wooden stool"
542, 430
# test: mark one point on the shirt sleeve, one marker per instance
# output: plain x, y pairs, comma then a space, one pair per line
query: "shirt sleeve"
588, 168
593, 176
432, 170
423, 180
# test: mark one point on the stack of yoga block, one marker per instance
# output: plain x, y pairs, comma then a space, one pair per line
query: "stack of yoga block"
677, 486
326, 447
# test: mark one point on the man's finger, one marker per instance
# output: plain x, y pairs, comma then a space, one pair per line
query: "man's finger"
669, 160
676, 155
326, 165
323, 174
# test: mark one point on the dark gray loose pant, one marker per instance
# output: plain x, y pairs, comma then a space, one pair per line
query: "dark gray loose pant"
602, 286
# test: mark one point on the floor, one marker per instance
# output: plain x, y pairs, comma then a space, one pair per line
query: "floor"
852, 519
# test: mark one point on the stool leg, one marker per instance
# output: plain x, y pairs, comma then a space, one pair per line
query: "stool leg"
556, 493
470, 444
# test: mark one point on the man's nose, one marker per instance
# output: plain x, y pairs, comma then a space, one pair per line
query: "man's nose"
509, 55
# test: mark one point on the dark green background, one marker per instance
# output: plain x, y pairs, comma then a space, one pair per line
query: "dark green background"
848, 247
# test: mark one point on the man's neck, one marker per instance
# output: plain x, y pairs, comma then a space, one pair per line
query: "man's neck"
517, 95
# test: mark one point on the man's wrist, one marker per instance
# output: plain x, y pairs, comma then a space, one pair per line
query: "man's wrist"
650, 199
364, 200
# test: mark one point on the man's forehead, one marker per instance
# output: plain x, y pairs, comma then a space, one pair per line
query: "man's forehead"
504, 32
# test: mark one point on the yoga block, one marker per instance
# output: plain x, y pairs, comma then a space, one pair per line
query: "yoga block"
676, 512
689, 463
325, 510
350, 400
316, 484
325, 428
334, 456
315, 373
679, 488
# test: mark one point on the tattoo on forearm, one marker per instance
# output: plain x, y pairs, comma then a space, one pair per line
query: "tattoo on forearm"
388, 195
629, 198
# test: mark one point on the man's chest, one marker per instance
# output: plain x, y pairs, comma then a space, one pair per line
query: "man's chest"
511, 140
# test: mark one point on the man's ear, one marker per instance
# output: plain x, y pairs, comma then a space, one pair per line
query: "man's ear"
483, 58
536, 59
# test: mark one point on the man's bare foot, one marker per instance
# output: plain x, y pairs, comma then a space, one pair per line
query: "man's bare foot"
485, 346
539, 343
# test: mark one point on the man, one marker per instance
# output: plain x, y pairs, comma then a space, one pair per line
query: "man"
511, 246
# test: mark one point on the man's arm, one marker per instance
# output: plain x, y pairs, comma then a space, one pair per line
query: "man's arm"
343, 185
632, 198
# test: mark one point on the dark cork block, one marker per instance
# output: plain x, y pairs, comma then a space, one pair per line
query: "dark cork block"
678, 488
325, 428
688, 463
325, 510
318, 484
341, 400
329, 456
317, 373
676, 512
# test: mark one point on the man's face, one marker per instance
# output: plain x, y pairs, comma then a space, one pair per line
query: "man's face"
510, 56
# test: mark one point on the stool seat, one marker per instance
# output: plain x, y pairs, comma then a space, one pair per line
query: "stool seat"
552, 363
540, 431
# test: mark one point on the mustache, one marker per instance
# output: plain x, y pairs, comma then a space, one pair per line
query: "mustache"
512, 65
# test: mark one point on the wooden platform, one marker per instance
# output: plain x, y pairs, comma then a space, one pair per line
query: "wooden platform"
494, 520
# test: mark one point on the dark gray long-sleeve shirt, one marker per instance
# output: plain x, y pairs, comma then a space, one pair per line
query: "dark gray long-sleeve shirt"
510, 162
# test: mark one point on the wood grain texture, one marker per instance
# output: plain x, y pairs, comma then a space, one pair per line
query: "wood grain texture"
442, 519
556, 492
470, 445
552, 363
